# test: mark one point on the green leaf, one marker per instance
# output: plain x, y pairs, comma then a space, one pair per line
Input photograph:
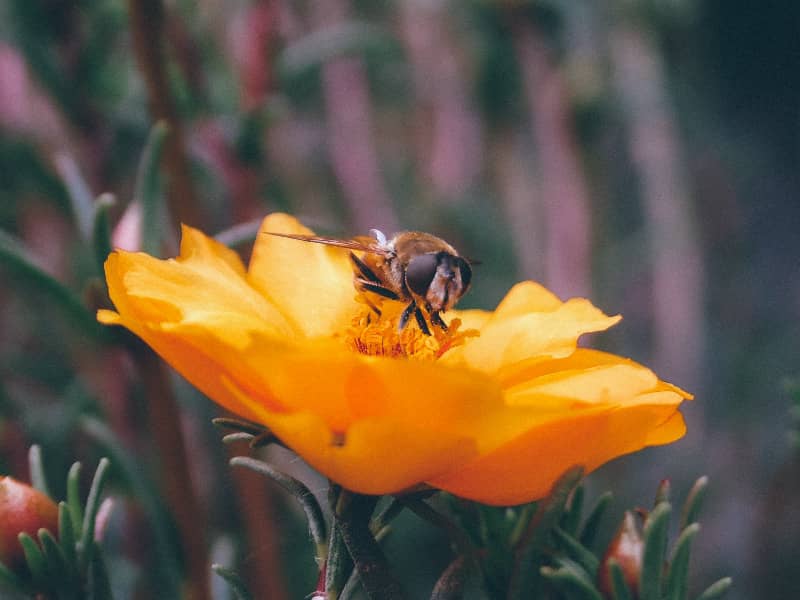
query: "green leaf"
92, 506
167, 569
36, 466
147, 189
572, 516
16, 259
233, 579
9, 580
66, 536
549, 511
60, 574
694, 502
592, 525
663, 491
351, 589
539, 530
101, 229
35, 559
385, 515
74, 496
716, 589
316, 520
426, 512
619, 586
571, 584
576, 551
655, 545
678, 576
80, 195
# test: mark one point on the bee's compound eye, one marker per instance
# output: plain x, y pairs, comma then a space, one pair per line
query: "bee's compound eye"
466, 273
420, 272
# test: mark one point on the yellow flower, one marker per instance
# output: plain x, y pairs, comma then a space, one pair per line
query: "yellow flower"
494, 410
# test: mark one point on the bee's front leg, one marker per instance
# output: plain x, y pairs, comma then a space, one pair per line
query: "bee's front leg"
436, 319
423, 324
406, 315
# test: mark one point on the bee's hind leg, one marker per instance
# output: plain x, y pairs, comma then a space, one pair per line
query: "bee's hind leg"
371, 304
364, 269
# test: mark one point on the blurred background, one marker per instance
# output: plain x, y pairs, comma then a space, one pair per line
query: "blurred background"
643, 153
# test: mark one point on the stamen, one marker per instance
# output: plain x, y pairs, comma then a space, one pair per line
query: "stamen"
378, 335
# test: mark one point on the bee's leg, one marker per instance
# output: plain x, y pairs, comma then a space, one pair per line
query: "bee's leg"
423, 325
365, 271
371, 304
406, 315
436, 319
367, 286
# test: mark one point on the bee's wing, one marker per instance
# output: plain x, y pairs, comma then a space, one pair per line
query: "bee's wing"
360, 243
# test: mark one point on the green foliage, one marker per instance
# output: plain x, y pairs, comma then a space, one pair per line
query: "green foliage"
662, 575
67, 565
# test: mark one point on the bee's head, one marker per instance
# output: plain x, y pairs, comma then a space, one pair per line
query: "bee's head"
440, 279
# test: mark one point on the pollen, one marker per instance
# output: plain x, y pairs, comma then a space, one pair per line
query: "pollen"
379, 335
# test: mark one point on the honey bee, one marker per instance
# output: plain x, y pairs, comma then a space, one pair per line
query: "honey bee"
414, 267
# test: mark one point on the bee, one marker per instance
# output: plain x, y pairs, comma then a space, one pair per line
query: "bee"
413, 267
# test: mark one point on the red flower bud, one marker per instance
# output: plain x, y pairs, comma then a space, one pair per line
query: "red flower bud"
22, 509
626, 549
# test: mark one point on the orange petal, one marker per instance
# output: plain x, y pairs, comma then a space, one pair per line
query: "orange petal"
526, 467
376, 456
470, 319
530, 325
526, 297
196, 311
343, 387
587, 376
360, 420
311, 283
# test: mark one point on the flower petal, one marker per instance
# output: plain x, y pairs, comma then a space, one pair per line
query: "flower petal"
526, 467
311, 283
587, 377
358, 420
530, 325
196, 311
581, 410
526, 297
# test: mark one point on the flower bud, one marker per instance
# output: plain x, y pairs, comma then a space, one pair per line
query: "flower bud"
626, 549
22, 509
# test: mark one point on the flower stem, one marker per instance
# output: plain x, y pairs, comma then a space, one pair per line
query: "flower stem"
147, 30
352, 516
164, 420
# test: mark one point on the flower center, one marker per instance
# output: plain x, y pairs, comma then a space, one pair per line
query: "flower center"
379, 335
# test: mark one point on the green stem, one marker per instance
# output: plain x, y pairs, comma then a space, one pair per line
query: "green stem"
352, 516
147, 23
164, 414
